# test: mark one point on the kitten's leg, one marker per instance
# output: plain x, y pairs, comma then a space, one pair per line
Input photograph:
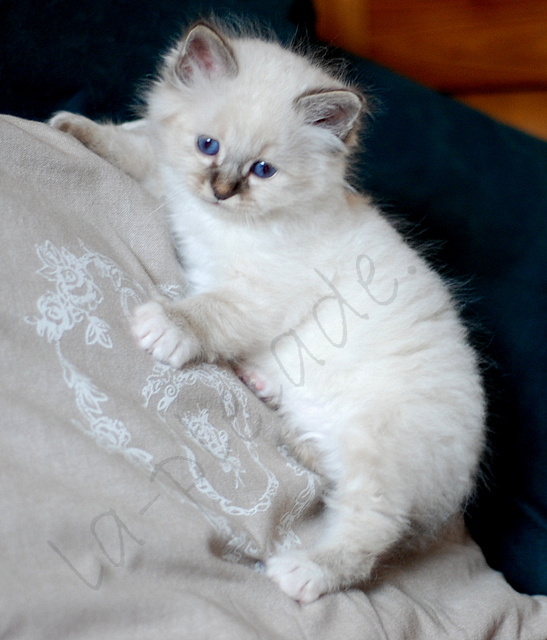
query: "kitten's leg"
126, 146
302, 449
345, 557
209, 327
362, 524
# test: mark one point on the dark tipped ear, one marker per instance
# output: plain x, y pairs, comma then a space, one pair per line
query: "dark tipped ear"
336, 110
204, 52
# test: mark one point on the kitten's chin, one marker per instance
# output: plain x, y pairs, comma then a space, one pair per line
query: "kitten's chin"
212, 202
229, 209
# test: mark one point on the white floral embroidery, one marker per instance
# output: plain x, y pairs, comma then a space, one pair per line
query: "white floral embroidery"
167, 384
171, 291
216, 441
287, 537
75, 299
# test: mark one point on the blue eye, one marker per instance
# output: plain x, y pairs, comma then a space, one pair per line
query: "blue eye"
263, 169
208, 146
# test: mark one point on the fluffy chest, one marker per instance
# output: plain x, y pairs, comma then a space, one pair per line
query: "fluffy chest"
216, 253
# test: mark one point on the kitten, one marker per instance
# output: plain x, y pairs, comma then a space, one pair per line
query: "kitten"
303, 284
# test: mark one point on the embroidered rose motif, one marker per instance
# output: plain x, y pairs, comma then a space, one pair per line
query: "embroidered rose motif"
74, 282
76, 295
72, 301
56, 317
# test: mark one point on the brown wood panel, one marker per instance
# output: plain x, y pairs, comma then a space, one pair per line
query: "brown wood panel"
343, 23
451, 45
491, 54
460, 45
524, 110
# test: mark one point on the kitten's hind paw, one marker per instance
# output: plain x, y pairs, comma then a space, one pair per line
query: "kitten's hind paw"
161, 337
298, 576
259, 385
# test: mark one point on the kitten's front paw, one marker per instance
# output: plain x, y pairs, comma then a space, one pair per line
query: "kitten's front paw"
161, 337
298, 576
80, 127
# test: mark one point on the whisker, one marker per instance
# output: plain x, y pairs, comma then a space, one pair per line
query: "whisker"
174, 194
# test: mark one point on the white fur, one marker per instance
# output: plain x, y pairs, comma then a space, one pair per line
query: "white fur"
308, 288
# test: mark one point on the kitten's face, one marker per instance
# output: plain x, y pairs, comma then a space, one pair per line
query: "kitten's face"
243, 129
243, 167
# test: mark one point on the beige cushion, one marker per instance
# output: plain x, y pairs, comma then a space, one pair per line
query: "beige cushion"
136, 501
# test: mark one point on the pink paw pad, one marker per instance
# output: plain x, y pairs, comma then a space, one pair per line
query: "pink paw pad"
256, 383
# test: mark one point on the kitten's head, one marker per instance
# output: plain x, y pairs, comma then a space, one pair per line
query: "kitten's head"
250, 127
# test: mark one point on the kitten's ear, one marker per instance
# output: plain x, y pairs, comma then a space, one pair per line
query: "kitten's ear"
336, 110
204, 52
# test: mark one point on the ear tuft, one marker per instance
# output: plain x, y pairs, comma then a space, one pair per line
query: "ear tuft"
204, 52
337, 110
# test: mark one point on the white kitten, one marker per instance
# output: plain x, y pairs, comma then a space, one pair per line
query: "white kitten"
305, 286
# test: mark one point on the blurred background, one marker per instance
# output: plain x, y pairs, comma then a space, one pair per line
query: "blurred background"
490, 54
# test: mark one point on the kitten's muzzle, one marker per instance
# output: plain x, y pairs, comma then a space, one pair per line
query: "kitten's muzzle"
224, 194
225, 188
